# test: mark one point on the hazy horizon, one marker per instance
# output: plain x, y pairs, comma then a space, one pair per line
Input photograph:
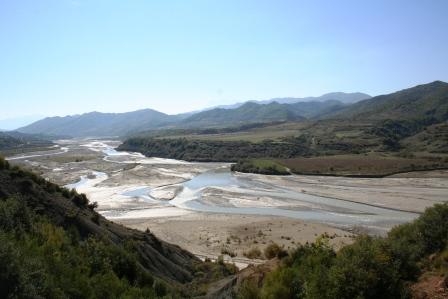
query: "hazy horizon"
13, 123
72, 57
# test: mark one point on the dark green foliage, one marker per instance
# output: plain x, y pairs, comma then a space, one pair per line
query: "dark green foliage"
41, 260
427, 101
93, 205
248, 290
274, 250
160, 289
392, 131
260, 166
247, 113
15, 142
369, 268
7, 141
365, 270
3, 163
433, 228
202, 150
80, 199
52, 245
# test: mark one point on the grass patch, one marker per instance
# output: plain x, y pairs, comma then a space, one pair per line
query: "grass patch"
362, 165
262, 166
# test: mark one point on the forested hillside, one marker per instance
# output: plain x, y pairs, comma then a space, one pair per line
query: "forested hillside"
54, 245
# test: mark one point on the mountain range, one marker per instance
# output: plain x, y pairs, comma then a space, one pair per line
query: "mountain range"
346, 98
101, 124
428, 101
120, 124
13, 140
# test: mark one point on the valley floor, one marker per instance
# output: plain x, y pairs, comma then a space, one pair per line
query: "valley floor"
205, 209
211, 235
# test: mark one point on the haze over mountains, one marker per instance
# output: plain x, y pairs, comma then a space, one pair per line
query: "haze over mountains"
13, 123
101, 124
118, 124
429, 101
346, 98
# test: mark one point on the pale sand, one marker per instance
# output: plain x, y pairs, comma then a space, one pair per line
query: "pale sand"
408, 193
206, 234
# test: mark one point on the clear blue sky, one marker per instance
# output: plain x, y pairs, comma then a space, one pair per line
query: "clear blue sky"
60, 57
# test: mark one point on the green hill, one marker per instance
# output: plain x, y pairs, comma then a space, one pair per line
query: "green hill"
252, 112
7, 141
54, 245
423, 102
247, 113
12, 142
100, 124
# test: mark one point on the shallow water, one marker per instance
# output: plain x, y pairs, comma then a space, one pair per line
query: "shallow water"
297, 205
245, 188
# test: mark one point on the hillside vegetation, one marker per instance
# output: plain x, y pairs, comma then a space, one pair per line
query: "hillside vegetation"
426, 103
371, 267
54, 245
206, 151
252, 112
123, 124
100, 124
403, 131
14, 142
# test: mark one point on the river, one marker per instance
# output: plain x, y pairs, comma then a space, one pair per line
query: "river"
217, 190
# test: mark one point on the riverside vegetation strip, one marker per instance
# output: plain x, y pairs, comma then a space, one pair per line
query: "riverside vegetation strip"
398, 132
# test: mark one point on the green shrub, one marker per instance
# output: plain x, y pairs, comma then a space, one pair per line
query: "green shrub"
365, 270
160, 289
433, 227
249, 290
253, 253
274, 250
3, 163
80, 200
39, 259
369, 268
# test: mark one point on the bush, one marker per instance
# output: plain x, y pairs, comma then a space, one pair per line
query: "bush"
249, 290
160, 289
433, 227
253, 253
92, 206
80, 200
3, 163
228, 251
369, 268
274, 250
365, 270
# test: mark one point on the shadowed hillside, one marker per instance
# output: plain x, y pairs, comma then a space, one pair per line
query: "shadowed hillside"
54, 245
252, 112
100, 124
427, 102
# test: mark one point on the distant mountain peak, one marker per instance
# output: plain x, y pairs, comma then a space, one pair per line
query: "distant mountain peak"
100, 124
425, 101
